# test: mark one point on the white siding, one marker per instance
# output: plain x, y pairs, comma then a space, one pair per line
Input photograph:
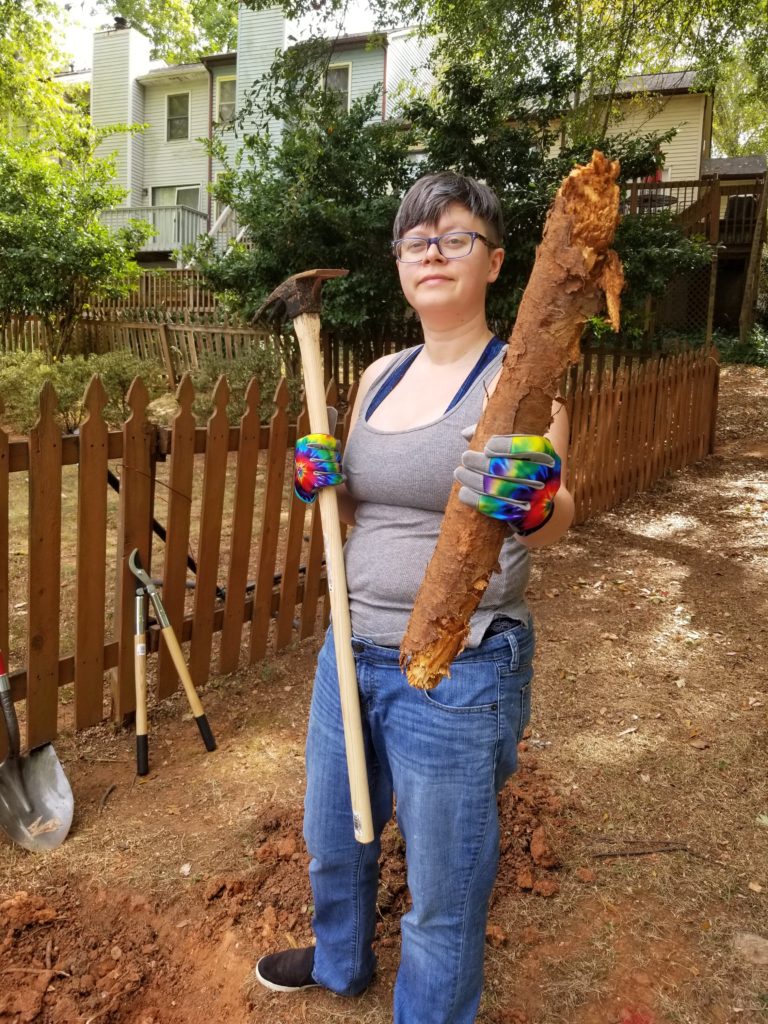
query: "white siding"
407, 57
119, 57
367, 70
259, 35
179, 161
231, 142
684, 112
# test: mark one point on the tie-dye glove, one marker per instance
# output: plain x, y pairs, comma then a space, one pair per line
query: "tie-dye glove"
514, 479
316, 464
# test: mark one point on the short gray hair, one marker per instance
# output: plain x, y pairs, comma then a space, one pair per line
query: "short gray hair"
430, 197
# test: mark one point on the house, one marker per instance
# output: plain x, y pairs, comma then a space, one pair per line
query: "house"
165, 168
167, 172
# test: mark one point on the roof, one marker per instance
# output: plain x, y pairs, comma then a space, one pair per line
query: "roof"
734, 166
670, 82
173, 72
220, 58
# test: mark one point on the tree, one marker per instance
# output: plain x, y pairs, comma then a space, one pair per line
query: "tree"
181, 30
740, 120
324, 195
54, 251
602, 40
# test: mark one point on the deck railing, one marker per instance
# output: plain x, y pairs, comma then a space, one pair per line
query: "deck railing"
174, 226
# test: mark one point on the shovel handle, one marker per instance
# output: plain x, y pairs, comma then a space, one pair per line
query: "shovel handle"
189, 687
11, 721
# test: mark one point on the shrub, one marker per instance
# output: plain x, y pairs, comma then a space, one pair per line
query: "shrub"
260, 361
23, 374
754, 350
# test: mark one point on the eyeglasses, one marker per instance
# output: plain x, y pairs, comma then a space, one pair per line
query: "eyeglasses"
453, 246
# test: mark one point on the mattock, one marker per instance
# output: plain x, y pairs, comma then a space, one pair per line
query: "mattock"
298, 299
148, 587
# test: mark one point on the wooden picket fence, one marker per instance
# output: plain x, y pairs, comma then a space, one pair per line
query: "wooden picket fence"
259, 571
634, 420
164, 289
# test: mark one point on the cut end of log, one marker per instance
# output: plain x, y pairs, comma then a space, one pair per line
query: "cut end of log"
591, 195
426, 667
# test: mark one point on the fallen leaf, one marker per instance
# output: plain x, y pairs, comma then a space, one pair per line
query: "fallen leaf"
632, 728
699, 744
185, 870
608, 636
755, 887
762, 819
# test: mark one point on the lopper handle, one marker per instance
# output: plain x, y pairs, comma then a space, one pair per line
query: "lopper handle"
189, 688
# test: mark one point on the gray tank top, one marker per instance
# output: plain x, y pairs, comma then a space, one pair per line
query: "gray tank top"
402, 480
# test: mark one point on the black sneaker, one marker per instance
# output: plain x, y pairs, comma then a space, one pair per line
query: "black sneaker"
287, 971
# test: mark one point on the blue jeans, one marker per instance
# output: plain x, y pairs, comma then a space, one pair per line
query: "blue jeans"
445, 753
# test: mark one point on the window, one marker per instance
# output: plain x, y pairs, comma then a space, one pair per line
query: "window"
177, 116
188, 195
337, 81
176, 195
225, 106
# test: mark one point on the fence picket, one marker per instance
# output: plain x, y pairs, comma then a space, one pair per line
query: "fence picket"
134, 531
209, 539
242, 530
180, 484
270, 523
44, 585
91, 560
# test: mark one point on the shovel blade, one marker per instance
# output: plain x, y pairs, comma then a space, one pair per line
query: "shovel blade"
36, 802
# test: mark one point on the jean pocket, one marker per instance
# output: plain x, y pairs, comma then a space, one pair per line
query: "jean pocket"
473, 688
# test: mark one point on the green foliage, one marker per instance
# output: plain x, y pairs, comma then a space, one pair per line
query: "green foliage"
653, 250
753, 351
327, 193
54, 251
326, 196
260, 361
23, 374
740, 118
181, 31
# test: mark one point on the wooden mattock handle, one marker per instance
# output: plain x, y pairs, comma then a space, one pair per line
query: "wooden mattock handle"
308, 332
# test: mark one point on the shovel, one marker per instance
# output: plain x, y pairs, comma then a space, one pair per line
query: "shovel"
36, 802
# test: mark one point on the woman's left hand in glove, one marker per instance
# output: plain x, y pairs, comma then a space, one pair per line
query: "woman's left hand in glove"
514, 479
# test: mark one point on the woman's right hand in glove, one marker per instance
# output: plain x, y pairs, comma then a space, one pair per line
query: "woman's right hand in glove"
317, 464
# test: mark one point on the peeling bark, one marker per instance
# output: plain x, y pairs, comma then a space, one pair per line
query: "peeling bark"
574, 269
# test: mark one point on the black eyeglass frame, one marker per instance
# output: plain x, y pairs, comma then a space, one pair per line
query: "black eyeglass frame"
437, 239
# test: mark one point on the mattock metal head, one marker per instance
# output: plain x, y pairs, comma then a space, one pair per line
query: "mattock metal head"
298, 294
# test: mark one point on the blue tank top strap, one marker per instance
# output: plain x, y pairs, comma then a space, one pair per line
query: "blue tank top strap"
491, 350
391, 382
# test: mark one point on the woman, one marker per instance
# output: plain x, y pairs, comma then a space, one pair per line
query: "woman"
442, 754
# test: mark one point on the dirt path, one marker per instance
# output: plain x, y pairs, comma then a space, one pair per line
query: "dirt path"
648, 734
